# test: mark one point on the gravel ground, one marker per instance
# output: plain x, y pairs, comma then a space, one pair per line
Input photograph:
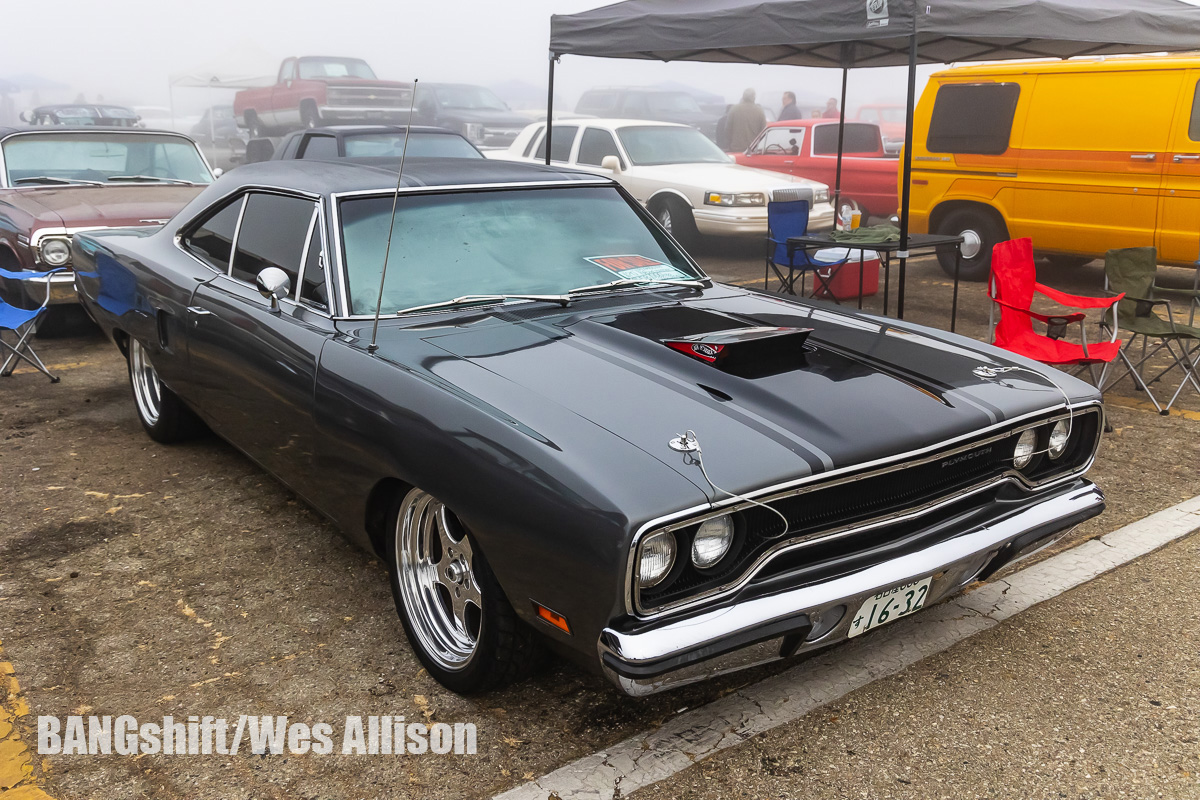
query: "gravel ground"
149, 580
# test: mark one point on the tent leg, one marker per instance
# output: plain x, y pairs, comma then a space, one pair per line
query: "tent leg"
837, 180
550, 108
904, 184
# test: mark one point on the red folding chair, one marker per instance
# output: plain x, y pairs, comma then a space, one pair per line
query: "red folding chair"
1011, 287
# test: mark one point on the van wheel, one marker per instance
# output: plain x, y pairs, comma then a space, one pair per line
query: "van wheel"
1069, 262
980, 231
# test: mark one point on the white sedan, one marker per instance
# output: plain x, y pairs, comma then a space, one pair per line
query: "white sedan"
676, 172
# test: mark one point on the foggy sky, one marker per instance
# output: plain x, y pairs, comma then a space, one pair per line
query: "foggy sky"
127, 49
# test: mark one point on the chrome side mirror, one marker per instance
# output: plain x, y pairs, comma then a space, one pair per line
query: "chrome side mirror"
274, 284
218, 172
612, 164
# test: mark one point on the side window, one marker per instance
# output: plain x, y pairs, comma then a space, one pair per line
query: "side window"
596, 145
1194, 127
313, 291
319, 147
287, 72
974, 118
599, 103
273, 232
537, 136
212, 242
636, 105
564, 137
779, 142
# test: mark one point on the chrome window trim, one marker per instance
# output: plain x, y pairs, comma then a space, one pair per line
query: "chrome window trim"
699, 513
308, 234
41, 131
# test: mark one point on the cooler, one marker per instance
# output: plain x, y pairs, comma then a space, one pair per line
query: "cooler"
843, 284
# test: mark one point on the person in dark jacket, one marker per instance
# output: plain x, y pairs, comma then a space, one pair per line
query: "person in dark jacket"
789, 110
746, 121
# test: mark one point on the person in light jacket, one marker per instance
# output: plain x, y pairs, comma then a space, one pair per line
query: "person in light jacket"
746, 121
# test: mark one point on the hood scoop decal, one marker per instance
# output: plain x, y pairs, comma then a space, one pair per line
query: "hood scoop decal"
748, 352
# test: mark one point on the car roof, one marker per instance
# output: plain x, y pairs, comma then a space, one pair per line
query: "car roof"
613, 124
6, 131
813, 122
352, 129
365, 174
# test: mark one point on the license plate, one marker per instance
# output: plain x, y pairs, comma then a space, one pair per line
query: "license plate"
890, 605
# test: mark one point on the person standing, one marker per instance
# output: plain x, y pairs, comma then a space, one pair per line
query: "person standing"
789, 110
746, 121
831, 109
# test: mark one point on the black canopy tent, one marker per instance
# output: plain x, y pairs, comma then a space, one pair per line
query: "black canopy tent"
871, 33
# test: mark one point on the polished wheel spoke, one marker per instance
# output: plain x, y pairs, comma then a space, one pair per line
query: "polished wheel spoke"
147, 389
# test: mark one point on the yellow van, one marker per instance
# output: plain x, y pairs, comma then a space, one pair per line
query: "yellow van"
1081, 156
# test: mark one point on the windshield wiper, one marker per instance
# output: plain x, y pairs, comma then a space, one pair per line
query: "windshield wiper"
150, 179
467, 299
623, 282
50, 179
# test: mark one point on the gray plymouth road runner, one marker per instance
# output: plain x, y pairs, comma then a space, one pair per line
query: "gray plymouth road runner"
565, 435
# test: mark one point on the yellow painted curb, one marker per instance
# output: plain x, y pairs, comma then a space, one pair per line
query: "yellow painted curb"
52, 367
16, 768
1146, 405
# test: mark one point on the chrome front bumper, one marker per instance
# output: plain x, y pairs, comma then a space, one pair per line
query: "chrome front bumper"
651, 659
60, 286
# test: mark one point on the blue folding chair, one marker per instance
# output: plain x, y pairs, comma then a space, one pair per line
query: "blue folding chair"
23, 323
785, 219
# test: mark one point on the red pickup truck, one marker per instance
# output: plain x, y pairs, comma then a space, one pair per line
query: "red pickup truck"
320, 90
808, 148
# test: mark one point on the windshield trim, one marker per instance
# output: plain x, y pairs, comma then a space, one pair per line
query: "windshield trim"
337, 246
50, 131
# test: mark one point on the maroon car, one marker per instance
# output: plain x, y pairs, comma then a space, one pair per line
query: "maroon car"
56, 181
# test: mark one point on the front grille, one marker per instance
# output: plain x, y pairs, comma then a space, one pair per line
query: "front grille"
792, 193
368, 97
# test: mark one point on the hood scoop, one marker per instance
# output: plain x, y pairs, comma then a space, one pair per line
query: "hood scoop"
746, 352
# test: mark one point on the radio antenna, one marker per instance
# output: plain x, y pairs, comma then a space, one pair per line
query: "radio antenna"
387, 250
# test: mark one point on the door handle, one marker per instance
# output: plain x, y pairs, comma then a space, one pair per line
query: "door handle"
1143, 156
198, 311
1185, 157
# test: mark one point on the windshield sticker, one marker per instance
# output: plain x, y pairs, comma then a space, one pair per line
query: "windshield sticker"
639, 268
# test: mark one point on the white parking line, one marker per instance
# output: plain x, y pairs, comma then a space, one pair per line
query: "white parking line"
692, 736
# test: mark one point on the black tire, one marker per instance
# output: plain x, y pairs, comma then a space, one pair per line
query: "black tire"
981, 231
1068, 262
309, 116
254, 125
493, 647
674, 215
163, 415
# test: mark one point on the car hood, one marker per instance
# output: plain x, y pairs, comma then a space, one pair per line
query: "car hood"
860, 390
102, 206
720, 177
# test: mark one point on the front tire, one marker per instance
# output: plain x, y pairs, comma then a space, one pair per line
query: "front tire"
457, 619
981, 231
163, 415
676, 218
309, 116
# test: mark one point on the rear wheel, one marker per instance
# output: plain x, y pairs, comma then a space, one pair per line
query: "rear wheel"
678, 221
980, 230
161, 412
458, 621
254, 126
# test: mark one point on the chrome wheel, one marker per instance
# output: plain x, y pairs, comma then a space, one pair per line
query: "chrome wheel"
664, 219
972, 243
436, 580
147, 389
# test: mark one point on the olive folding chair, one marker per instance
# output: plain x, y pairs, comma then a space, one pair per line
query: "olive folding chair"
785, 219
22, 322
1011, 288
1132, 271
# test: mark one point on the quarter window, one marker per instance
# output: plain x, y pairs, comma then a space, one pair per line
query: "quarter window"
320, 147
312, 284
596, 145
212, 242
973, 118
272, 234
564, 137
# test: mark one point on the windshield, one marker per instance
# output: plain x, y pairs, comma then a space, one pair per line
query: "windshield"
514, 241
673, 103
420, 145
311, 68
660, 144
476, 97
101, 156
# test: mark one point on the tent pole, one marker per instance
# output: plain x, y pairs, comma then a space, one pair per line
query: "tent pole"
550, 108
904, 184
837, 180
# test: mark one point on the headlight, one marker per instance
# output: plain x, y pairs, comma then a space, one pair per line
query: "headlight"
656, 559
821, 195
747, 199
1060, 434
712, 541
473, 131
56, 252
1023, 452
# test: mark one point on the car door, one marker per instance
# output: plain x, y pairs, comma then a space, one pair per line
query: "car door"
1179, 211
1091, 161
257, 365
285, 103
